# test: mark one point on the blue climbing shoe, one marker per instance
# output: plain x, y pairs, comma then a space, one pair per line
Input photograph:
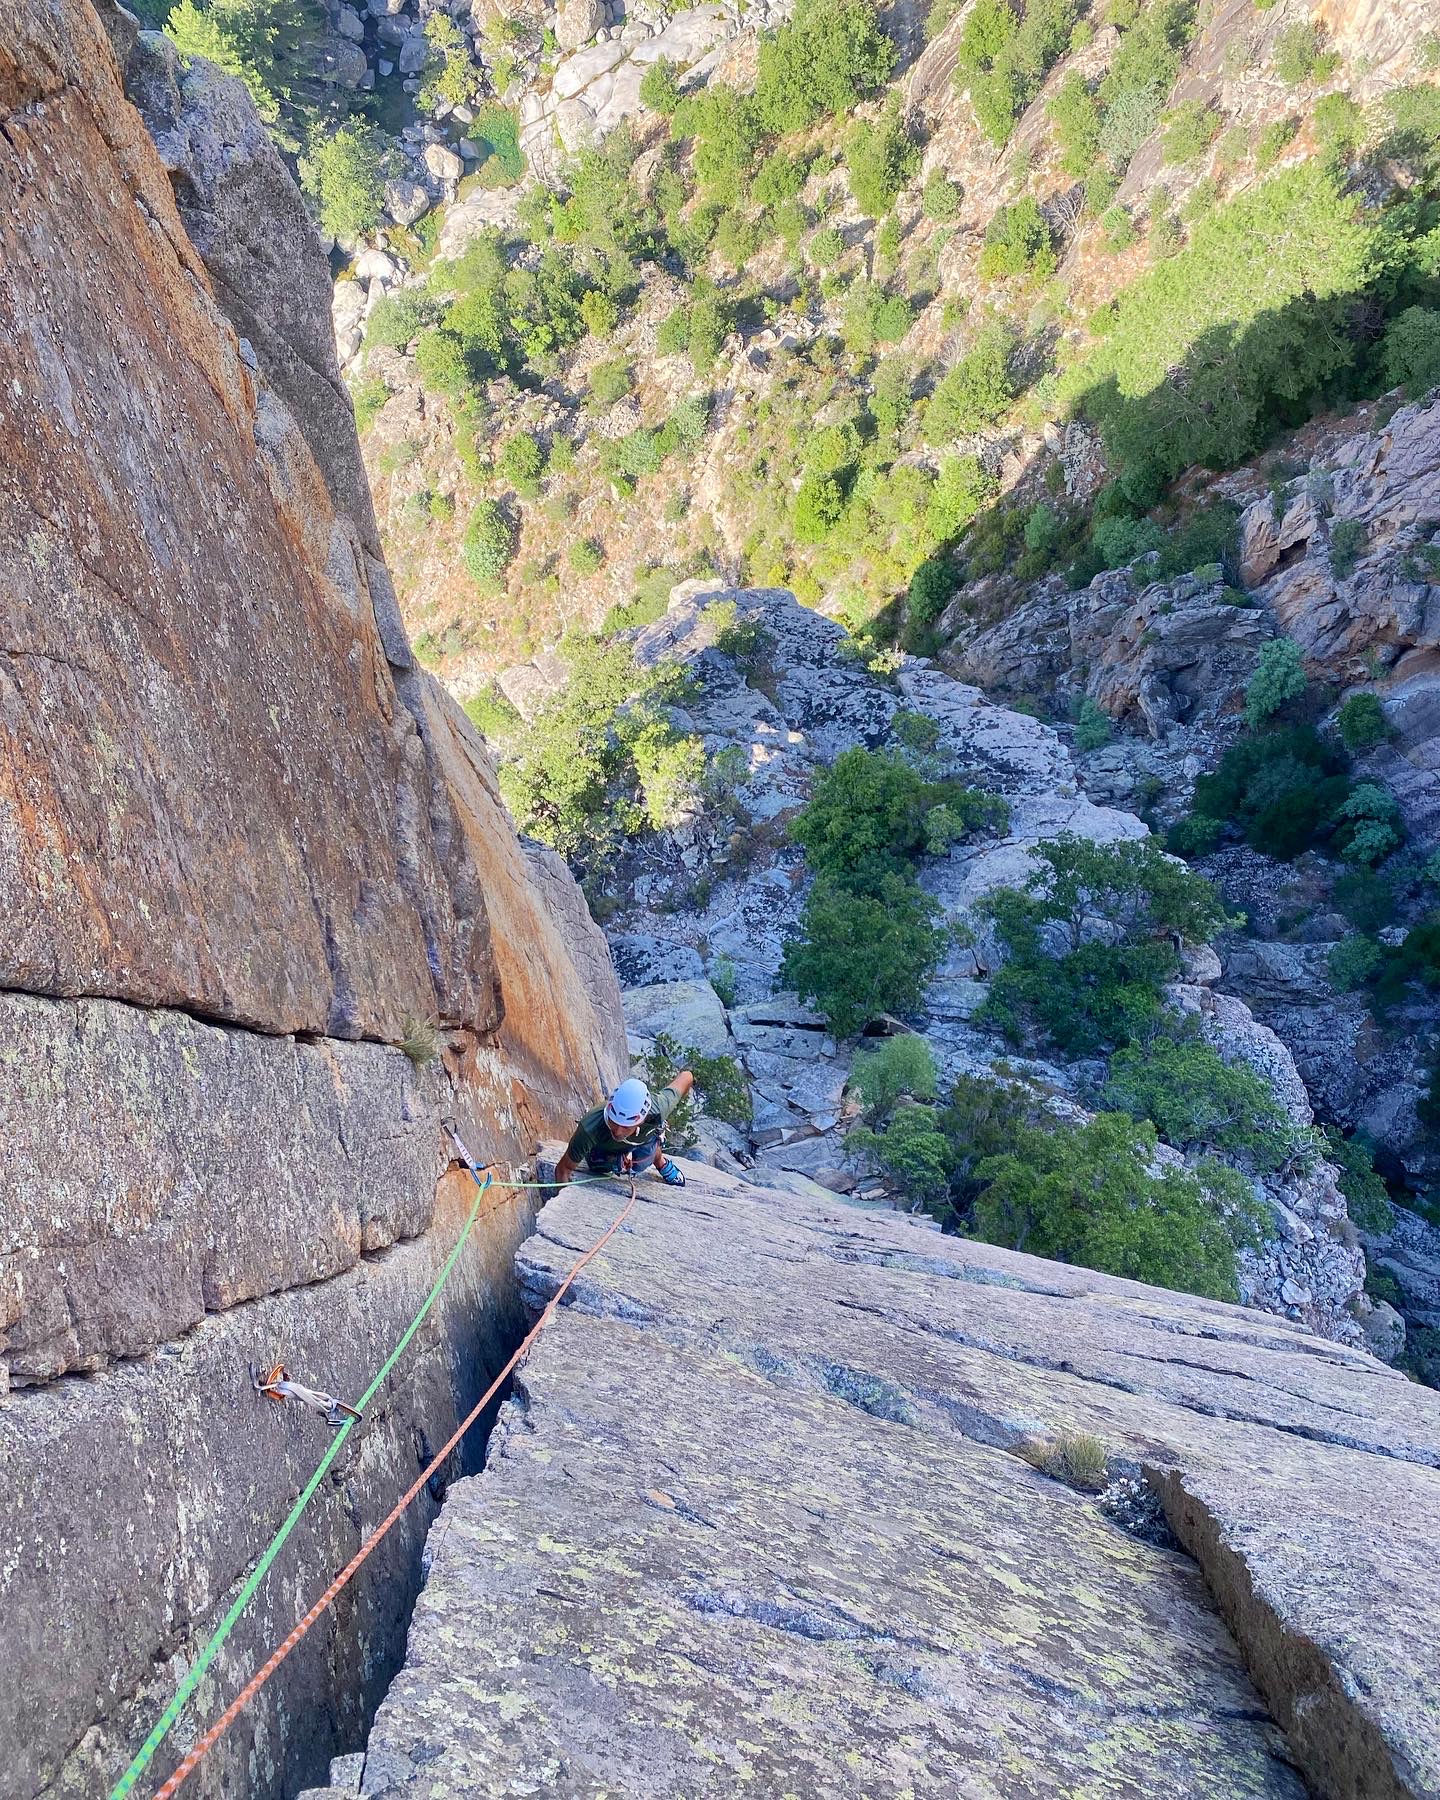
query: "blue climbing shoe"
670, 1173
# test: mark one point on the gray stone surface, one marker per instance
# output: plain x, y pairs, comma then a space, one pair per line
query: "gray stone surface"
157, 1169
688, 1011
753, 1520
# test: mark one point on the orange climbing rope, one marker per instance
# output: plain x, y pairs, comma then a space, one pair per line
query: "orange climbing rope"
278, 1655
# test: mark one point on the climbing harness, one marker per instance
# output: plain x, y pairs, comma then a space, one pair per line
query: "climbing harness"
350, 1417
275, 1384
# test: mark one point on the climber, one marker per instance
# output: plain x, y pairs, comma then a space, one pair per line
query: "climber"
627, 1132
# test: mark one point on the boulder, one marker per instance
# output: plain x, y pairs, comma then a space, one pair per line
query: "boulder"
349, 23
412, 54
444, 163
688, 1011
406, 200
375, 265
341, 62
577, 72
641, 961
577, 21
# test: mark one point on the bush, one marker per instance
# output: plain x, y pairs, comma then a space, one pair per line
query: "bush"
586, 556
721, 1090
874, 317
398, 319
441, 364
660, 87
451, 78
859, 955
881, 158
1075, 114
489, 543
866, 818
1003, 60
1300, 54
1092, 729
819, 503
492, 714
912, 1150
830, 55
1365, 1193
1095, 994
1087, 1196
1362, 723
940, 198
1339, 124
1195, 836
1017, 242
368, 396
1190, 129
1354, 961
1280, 788
1348, 538
979, 390
1367, 824
1118, 228
961, 488
600, 313
521, 462
610, 381
1411, 353
826, 247
1196, 1100
1274, 141
899, 1065
1279, 679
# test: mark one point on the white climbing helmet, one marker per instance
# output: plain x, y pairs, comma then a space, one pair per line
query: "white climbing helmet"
629, 1103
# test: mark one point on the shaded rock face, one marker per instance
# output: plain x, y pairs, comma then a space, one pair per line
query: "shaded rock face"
794, 1549
246, 849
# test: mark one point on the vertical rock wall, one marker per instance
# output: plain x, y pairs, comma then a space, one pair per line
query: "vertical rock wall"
244, 847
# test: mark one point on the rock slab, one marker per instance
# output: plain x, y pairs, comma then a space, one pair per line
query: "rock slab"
754, 1521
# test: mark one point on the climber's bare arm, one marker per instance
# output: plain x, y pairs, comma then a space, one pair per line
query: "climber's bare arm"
564, 1170
682, 1083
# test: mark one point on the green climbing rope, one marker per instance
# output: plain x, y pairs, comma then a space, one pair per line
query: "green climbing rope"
163, 1724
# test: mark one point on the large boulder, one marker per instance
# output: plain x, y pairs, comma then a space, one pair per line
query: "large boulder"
688, 1011
577, 22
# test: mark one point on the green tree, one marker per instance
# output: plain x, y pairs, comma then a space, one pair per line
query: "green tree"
489, 543
903, 1064
521, 462
860, 955
273, 46
1190, 129
866, 818
940, 198
912, 1150
825, 60
344, 173
1087, 1196
881, 158
1279, 679
819, 503
1017, 242
1411, 355
599, 311
442, 365
1075, 114
451, 78
1362, 723
1196, 1100
979, 390
660, 87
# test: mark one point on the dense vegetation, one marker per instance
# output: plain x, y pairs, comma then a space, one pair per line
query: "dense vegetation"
868, 936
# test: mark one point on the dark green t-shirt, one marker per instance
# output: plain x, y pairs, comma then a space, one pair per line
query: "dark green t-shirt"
594, 1142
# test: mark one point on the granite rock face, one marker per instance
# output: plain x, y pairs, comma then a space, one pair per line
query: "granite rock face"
754, 1519
247, 852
